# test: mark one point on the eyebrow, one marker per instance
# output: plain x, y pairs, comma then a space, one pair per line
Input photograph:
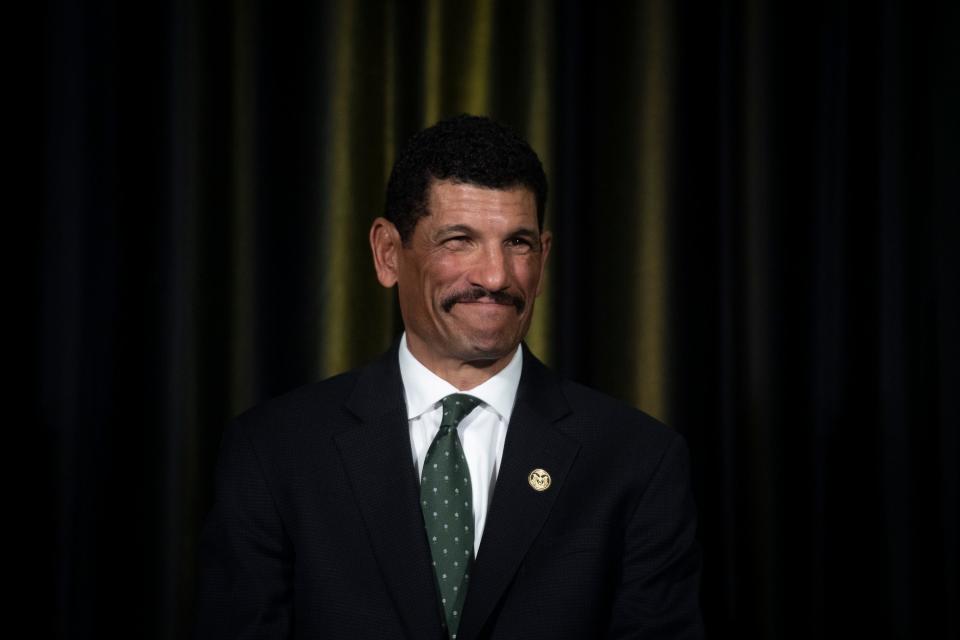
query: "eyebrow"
526, 232
468, 230
453, 229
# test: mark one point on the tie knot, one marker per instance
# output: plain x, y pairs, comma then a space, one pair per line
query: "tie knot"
456, 406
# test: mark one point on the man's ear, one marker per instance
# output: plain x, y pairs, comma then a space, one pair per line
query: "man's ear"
385, 245
546, 241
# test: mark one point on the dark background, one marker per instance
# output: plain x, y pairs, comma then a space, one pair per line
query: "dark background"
755, 207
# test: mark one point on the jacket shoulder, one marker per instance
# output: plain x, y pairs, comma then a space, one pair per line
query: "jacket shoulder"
317, 404
597, 415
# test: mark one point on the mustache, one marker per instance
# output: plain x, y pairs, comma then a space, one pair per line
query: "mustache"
475, 293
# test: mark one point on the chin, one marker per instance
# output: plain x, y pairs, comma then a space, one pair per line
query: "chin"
489, 347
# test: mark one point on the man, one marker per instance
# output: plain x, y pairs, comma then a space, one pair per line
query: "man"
455, 488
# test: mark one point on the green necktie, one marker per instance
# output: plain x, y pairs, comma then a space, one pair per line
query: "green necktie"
447, 502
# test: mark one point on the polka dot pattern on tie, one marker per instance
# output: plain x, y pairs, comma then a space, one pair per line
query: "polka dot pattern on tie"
445, 473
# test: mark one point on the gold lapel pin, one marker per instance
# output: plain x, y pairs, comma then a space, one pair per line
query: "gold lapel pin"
539, 480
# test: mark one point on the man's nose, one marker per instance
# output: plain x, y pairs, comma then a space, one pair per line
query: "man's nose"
491, 269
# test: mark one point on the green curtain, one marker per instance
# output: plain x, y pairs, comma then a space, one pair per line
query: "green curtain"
372, 88
754, 210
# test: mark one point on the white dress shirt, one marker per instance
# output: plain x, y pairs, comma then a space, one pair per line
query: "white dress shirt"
482, 433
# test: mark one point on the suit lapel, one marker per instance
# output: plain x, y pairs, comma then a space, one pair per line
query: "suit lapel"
376, 456
517, 512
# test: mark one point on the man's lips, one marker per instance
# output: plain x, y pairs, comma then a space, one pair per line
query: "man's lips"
486, 301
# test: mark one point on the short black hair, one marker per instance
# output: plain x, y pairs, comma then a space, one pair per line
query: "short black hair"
464, 149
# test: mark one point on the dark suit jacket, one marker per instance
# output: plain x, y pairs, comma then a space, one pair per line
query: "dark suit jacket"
317, 532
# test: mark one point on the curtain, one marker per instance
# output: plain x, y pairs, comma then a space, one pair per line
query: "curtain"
755, 217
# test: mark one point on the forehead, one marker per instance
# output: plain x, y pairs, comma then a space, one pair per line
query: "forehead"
460, 203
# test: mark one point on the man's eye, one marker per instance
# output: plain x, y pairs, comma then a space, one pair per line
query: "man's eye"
519, 243
456, 241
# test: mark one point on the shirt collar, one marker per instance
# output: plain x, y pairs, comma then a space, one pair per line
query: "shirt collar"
423, 389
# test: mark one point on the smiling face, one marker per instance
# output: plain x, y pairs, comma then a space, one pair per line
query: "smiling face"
468, 277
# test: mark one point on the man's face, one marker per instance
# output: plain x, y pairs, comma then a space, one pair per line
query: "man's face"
469, 275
